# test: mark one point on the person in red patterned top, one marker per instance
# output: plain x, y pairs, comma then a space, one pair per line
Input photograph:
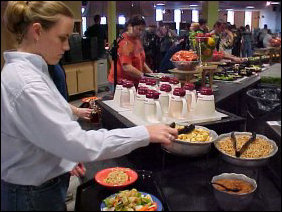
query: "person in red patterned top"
131, 55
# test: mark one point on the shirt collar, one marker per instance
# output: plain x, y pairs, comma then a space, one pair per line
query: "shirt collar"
34, 59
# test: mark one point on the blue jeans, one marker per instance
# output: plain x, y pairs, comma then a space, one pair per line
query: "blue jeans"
247, 50
50, 196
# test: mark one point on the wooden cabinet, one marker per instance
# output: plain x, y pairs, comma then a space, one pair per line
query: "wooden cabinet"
80, 77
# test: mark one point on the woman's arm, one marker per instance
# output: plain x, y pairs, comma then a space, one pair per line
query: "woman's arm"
132, 71
147, 69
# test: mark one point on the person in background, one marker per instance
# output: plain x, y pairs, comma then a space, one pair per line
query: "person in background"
247, 42
131, 63
166, 36
236, 50
261, 35
41, 141
267, 38
218, 30
203, 26
98, 31
227, 39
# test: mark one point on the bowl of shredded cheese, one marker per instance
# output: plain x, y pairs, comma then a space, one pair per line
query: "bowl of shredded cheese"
195, 143
116, 177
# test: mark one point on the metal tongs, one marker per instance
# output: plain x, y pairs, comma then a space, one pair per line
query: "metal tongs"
187, 128
245, 146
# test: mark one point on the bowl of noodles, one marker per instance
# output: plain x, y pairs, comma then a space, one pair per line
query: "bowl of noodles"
116, 177
196, 143
258, 152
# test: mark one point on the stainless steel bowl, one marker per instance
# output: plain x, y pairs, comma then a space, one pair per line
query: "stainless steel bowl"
230, 201
185, 65
248, 162
184, 148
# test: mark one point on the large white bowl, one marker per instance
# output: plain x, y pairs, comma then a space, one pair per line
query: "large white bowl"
248, 162
184, 148
230, 201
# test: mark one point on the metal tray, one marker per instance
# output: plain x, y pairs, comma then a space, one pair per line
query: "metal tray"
90, 194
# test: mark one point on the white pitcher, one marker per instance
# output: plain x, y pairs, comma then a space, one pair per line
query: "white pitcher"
127, 95
165, 90
152, 108
174, 82
152, 84
138, 108
205, 102
142, 82
191, 96
164, 80
117, 94
178, 104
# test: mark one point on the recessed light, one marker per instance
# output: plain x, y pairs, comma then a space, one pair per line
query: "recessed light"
194, 5
275, 3
160, 4
250, 7
229, 9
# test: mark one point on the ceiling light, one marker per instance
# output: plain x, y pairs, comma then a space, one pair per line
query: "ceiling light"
229, 9
268, 3
275, 3
250, 7
194, 5
160, 4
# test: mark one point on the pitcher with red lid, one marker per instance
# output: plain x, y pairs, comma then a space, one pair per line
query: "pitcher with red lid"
138, 108
165, 90
152, 107
205, 102
127, 95
191, 96
118, 90
178, 104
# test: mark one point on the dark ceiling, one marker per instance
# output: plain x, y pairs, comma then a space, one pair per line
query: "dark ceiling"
239, 5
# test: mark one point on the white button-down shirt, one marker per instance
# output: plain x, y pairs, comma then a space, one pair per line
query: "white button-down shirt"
40, 138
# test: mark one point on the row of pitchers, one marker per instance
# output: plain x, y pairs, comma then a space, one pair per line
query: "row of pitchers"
152, 106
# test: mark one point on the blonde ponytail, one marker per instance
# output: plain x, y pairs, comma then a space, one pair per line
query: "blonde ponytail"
20, 14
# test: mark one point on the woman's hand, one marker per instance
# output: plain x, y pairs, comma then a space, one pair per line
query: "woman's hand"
161, 133
84, 113
78, 170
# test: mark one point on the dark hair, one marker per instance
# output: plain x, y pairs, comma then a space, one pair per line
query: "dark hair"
218, 24
135, 20
202, 21
97, 18
265, 26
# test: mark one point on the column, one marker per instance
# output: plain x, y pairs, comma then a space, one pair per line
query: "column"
111, 21
210, 12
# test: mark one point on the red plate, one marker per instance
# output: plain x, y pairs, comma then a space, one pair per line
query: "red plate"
101, 175
88, 99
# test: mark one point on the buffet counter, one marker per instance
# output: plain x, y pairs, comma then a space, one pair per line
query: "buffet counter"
182, 183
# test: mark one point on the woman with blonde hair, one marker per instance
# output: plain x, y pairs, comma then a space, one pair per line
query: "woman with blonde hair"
41, 142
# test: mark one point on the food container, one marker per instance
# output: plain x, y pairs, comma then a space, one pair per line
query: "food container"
185, 65
232, 201
185, 148
247, 162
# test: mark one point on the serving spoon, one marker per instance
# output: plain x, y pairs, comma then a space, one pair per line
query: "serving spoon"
226, 189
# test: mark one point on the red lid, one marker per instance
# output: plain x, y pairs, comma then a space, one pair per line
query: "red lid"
142, 91
128, 84
151, 91
156, 95
179, 92
120, 81
189, 86
143, 80
173, 81
165, 87
150, 95
165, 79
151, 82
142, 88
206, 91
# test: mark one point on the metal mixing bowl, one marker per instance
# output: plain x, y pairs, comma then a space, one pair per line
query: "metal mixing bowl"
248, 162
230, 201
185, 148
